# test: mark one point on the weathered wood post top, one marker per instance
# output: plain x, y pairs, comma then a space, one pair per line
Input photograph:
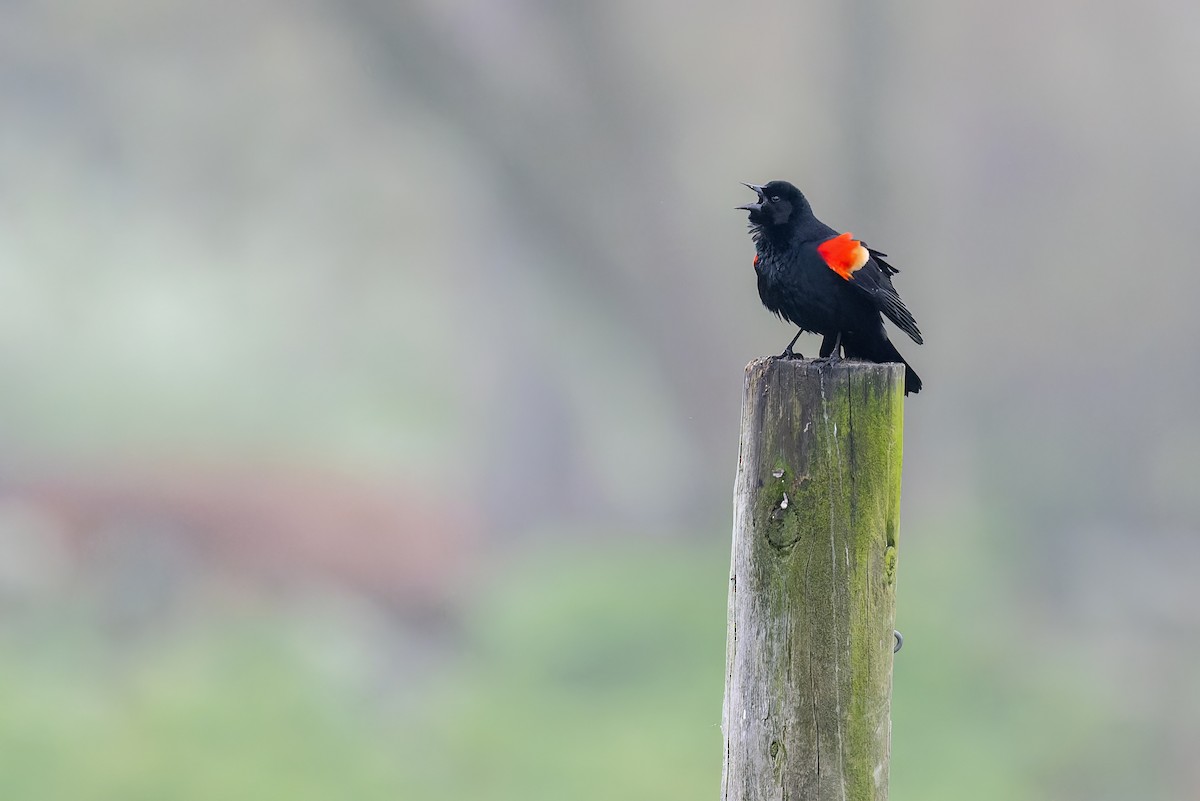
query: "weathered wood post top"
807, 712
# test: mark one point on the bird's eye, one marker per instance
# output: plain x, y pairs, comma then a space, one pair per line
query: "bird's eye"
774, 198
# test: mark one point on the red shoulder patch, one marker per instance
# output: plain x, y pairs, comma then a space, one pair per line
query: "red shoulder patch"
756, 260
844, 254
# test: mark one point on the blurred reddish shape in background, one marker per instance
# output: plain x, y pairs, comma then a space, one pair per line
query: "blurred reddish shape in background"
396, 544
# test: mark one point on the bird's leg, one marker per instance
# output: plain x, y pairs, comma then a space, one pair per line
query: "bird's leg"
788, 353
831, 347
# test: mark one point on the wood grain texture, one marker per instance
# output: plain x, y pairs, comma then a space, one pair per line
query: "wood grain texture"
807, 712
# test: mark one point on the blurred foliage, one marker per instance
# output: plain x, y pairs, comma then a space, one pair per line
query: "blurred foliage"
572, 664
583, 673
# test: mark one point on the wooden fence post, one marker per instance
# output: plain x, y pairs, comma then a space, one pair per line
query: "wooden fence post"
808, 678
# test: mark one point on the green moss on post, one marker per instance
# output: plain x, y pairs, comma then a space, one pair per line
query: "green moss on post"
812, 585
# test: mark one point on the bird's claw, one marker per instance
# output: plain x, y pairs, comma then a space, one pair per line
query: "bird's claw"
829, 360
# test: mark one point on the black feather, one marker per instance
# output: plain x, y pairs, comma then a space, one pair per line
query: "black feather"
796, 283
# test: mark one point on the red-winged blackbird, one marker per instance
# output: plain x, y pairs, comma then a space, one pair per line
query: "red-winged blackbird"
825, 282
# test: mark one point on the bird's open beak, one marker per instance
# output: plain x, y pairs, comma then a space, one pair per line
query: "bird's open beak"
753, 206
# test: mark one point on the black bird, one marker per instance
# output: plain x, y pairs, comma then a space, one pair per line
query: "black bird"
825, 282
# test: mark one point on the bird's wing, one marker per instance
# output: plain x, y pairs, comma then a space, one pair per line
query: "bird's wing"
866, 270
878, 256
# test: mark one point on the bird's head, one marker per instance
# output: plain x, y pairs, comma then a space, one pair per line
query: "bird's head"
779, 204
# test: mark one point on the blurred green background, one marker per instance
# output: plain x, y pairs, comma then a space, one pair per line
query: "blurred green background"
370, 382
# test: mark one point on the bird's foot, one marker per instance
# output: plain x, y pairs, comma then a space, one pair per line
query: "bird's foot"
831, 350
830, 360
788, 353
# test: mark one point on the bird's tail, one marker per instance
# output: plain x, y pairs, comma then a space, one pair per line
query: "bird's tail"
886, 352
